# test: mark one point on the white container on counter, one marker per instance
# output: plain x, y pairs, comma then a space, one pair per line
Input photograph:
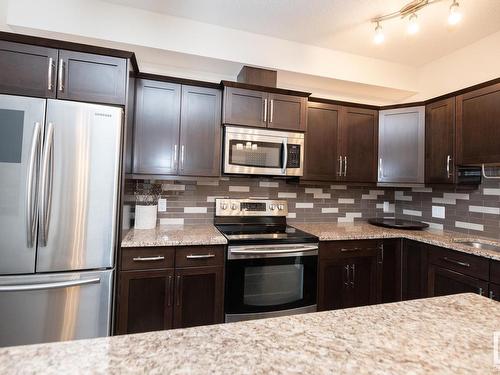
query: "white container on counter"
145, 217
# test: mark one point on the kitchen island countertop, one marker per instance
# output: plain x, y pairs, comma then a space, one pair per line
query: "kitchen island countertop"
446, 335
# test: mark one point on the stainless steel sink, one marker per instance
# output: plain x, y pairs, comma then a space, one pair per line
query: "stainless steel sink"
478, 244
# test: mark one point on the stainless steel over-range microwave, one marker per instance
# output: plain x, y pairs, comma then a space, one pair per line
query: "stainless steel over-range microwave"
263, 152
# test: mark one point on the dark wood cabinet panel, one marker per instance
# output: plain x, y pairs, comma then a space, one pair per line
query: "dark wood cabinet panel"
414, 270
245, 107
440, 142
495, 271
390, 263
478, 126
494, 292
349, 274
198, 296
321, 142
200, 137
156, 130
140, 258
28, 70
91, 78
145, 301
442, 282
467, 264
287, 112
198, 256
359, 139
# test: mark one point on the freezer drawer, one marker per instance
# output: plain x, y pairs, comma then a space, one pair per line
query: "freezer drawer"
55, 307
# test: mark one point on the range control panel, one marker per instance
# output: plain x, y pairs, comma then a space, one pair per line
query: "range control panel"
250, 207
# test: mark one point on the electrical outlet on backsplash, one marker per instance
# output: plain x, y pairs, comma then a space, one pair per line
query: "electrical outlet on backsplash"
472, 211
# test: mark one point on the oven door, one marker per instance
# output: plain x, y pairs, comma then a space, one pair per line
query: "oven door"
264, 281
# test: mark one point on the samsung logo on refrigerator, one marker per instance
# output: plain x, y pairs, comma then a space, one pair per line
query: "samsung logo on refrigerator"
102, 114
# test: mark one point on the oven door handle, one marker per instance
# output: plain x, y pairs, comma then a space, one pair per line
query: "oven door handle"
271, 250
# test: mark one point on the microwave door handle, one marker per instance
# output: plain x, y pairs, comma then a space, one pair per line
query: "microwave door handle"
285, 156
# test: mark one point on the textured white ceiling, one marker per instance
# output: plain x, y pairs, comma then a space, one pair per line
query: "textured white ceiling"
342, 24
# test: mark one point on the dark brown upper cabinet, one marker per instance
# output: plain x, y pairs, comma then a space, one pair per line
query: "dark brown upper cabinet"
156, 128
440, 142
171, 138
262, 109
28, 70
341, 143
321, 142
200, 145
91, 78
359, 144
287, 112
478, 126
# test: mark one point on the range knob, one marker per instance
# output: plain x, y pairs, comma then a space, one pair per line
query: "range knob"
234, 206
272, 206
223, 206
281, 207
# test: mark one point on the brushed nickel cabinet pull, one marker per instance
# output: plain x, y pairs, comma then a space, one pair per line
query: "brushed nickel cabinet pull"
50, 84
353, 268
200, 256
339, 173
480, 291
265, 110
170, 290
182, 157
178, 291
345, 166
347, 275
448, 169
271, 111
491, 294
60, 77
350, 249
453, 261
147, 259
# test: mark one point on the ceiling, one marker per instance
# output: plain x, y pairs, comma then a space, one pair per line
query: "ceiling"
343, 24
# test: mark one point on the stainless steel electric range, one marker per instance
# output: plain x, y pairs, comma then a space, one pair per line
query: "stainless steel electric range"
271, 267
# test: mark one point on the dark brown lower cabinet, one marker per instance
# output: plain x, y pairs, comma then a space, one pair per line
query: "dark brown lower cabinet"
150, 298
414, 270
199, 295
390, 262
348, 274
443, 282
145, 301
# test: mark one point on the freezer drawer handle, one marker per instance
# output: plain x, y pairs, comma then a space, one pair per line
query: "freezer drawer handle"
59, 284
147, 259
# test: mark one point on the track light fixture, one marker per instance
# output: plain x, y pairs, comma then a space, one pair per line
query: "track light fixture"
410, 10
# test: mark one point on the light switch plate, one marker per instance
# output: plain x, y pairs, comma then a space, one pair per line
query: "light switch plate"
162, 205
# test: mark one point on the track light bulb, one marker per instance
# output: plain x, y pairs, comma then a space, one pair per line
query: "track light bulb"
454, 16
413, 26
379, 34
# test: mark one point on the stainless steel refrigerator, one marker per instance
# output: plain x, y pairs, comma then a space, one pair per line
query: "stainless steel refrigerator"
59, 178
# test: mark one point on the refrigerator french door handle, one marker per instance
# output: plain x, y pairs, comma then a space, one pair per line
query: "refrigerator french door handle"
54, 285
46, 183
31, 202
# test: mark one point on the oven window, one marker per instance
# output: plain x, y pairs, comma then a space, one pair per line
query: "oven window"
255, 154
273, 285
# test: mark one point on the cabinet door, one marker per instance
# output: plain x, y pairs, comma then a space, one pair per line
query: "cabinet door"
200, 138
145, 300
390, 262
156, 130
333, 284
440, 142
414, 270
199, 295
401, 143
321, 142
91, 78
287, 112
494, 293
245, 107
363, 281
27, 70
478, 126
443, 282
358, 136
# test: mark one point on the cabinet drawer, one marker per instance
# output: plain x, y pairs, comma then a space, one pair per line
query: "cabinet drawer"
464, 263
347, 249
196, 256
147, 258
495, 272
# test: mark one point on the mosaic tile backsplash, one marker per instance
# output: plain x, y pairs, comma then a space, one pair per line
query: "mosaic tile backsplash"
472, 211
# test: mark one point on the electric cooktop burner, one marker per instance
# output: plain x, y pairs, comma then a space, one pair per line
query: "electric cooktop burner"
391, 222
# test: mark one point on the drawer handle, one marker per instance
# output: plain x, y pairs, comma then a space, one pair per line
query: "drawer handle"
463, 264
200, 256
147, 259
350, 249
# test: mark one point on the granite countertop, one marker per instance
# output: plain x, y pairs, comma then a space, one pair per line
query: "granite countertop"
363, 230
174, 235
446, 335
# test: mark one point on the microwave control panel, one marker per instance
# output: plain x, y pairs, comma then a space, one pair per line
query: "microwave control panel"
293, 160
